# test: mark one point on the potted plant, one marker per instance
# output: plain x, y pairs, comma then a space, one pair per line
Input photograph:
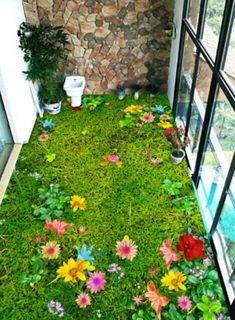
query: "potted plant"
44, 51
176, 137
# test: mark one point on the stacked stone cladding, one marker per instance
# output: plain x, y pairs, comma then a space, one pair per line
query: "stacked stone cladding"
111, 41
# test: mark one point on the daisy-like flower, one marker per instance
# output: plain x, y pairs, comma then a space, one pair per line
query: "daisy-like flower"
152, 271
58, 226
43, 137
51, 250
155, 161
126, 249
39, 238
138, 125
173, 280
119, 164
82, 229
74, 270
114, 267
134, 109
137, 299
165, 124
113, 158
104, 164
148, 117
184, 303
164, 117
96, 282
83, 300
55, 308
77, 202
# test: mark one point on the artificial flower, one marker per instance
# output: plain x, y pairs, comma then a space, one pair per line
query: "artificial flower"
168, 132
82, 229
138, 125
173, 280
192, 248
96, 282
154, 161
152, 271
112, 158
164, 117
164, 124
137, 299
184, 303
51, 250
158, 109
85, 253
134, 109
126, 249
74, 270
148, 117
104, 164
77, 202
83, 300
39, 238
43, 137
55, 308
157, 299
114, 267
168, 254
119, 164
58, 226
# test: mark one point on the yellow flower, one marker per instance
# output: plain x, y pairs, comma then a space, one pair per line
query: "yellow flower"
104, 164
119, 164
73, 270
134, 109
174, 280
165, 124
77, 203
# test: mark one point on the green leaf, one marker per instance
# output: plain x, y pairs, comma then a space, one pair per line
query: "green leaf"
215, 306
205, 299
213, 275
202, 306
193, 279
208, 315
23, 278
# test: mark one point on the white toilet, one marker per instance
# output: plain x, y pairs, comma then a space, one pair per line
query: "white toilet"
74, 87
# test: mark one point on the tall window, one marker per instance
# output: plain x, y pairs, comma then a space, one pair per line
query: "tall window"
204, 105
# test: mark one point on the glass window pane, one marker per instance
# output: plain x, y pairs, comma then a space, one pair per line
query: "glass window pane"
224, 239
229, 63
213, 21
201, 93
217, 157
186, 77
194, 8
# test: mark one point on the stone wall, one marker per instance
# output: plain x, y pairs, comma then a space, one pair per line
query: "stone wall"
111, 41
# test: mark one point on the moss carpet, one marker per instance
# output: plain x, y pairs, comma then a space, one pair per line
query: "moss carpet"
120, 201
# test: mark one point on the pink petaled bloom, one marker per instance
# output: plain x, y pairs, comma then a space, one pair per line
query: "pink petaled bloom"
58, 226
96, 282
113, 158
43, 137
184, 303
83, 300
126, 249
168, 254
148, 117
164, 117
137, 299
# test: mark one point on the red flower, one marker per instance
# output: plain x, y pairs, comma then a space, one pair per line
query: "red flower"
192, 248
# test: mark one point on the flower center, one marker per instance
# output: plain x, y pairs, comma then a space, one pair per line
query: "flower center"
126, 249
96, 281
83, 300
73, 272
174, 282
50, 250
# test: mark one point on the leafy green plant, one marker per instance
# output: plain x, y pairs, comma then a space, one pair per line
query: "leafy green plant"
92, 102
53, 202
128, 121
185, 204
173, 188
208, 308
50, 157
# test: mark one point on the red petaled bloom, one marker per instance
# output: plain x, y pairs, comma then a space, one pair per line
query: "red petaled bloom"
192, 248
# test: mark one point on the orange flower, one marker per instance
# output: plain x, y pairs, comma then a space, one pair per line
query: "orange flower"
157, 300
104, 164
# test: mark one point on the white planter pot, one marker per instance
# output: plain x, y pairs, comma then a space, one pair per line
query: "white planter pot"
53, 108
177, 159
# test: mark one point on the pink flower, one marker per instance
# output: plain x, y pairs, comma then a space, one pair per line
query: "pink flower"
113, 158
168, 254
58, 226
126, 249
43, 137
96, 282
184, 303
148, 117
164, 117
83, 300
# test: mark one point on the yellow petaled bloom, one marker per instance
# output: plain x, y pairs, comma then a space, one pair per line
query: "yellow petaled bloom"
119, 164
134, 109
51, 250
104, 164
77, 203
174, 280
165, 124
74, 270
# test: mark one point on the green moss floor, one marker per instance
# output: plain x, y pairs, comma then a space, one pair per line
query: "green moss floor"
120, 201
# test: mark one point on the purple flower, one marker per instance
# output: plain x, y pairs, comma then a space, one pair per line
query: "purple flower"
220, 317
184, 303
114, 267
55, 308
137, 299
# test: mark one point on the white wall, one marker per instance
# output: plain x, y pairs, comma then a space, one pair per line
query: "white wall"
15, 90
178, 11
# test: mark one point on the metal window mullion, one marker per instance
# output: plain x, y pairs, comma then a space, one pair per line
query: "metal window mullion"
202, 18
223, 196
180, 57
